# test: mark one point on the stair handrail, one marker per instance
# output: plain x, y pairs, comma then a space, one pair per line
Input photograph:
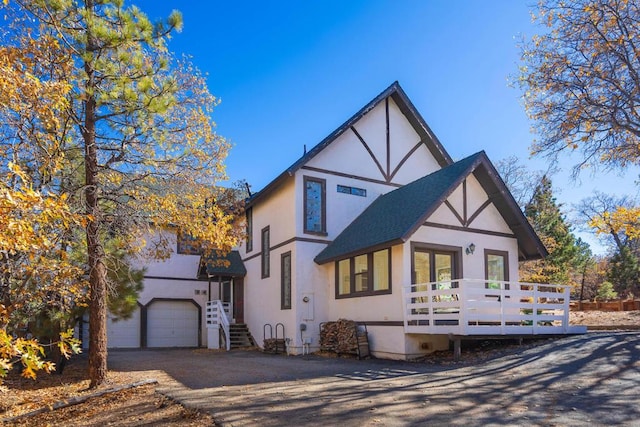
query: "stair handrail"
222, 320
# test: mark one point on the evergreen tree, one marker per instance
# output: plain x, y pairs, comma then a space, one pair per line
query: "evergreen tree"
624, 272
544, 214
137, 129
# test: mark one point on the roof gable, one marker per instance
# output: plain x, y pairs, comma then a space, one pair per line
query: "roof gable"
406, 107
394, 217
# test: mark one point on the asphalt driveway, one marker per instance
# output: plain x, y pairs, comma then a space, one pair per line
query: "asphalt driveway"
590, 379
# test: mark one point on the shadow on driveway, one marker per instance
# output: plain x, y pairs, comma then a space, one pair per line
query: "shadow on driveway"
199, 368
589, 379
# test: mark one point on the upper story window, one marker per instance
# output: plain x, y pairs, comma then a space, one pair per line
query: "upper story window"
352, 190
315, 206
367, 274
249, 218
187, 245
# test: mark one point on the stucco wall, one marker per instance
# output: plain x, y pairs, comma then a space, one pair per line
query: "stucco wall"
262, 295
379, 153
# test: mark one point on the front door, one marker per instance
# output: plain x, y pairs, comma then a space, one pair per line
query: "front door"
238, 300
434, 265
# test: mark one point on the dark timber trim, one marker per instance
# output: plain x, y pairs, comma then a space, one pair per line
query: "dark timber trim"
286, 242
381, 322
386, 111
469, 229
371, 154
252, 257
346, 175
405, 158
464, 202
478, 211
453, 210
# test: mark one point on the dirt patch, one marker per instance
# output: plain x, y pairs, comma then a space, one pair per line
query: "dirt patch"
605, 318
137, 406
144, 406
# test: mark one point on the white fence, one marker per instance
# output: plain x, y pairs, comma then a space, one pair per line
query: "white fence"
481, 307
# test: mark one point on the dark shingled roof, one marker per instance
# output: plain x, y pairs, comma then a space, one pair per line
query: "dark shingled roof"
404, 104
393, 217
234, 268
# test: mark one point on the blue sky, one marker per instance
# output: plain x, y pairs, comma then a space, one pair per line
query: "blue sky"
289, 72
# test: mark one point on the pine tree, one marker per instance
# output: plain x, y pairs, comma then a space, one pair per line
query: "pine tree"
544, 214
624, 272
138, 141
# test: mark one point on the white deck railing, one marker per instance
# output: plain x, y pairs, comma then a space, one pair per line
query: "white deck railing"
481, 307
218, 317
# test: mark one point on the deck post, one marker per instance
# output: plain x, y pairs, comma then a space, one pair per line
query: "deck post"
457, 347
463, 309
535, 308
567, 307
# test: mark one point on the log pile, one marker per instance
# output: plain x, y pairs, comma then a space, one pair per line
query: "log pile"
339, 337
274, 345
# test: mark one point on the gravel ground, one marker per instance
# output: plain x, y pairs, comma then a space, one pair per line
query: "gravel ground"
587, 379
592, 379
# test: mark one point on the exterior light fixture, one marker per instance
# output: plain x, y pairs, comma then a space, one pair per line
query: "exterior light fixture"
470, 249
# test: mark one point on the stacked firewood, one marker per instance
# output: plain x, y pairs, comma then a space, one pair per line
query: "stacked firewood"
274, 345
339, 337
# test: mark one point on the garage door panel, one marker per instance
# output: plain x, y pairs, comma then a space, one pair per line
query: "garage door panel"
172, 324
124, 333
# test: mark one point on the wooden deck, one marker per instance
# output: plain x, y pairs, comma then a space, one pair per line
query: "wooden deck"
469, 307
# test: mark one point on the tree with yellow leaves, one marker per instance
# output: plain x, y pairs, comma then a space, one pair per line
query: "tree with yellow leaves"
617, 221
581, 80
138, 132
581, 84
36, 273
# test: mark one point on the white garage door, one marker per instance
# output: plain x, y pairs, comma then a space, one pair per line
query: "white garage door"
172, 324
124, 333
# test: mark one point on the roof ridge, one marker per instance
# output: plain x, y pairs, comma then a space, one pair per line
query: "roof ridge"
407, 108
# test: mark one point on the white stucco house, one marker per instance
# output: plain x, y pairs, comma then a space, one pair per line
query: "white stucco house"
377, 224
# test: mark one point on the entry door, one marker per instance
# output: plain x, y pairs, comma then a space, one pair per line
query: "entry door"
238, 300
227, 298
434, 265
430, 265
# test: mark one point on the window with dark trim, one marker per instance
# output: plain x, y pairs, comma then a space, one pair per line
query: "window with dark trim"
264, 254
315, 206
187, 245
249, 218
355, 191
496, 268
363, 275
285, 288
